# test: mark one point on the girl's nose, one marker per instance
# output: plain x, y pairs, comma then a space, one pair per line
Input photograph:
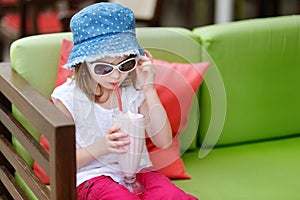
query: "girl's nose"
115, 74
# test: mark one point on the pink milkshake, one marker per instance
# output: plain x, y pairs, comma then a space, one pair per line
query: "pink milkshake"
134, 125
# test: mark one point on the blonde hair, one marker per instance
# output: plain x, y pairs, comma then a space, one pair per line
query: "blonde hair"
84, 81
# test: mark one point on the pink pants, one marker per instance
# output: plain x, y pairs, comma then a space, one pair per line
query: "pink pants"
157, 186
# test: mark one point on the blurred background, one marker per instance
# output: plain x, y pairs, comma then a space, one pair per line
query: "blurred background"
194, 13
21, 18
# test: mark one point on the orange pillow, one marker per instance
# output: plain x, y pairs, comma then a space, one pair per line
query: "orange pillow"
176, 84
63, 73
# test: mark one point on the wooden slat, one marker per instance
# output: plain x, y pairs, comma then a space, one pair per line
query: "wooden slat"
14, 189
35, 107
25, 138
21, 167
5, 133
3, 192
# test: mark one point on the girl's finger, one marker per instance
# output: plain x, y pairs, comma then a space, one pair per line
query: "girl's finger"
146, 68
148, 54
117, 135
119, 146
147, 63
121, 143
113, 129
144, 59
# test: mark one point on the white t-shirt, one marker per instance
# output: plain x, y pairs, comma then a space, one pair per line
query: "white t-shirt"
92, 122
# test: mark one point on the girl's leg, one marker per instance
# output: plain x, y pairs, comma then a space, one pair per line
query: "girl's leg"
158, 186
102, 188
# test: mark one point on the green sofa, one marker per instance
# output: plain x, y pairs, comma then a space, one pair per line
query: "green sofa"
244, 143
250, 112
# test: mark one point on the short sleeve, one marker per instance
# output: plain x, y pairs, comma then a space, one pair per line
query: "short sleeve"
65, 93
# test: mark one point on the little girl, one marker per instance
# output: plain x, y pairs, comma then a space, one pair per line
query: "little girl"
106, 53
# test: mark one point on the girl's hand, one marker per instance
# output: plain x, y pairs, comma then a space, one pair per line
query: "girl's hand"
146, 71
113, 140
106, 145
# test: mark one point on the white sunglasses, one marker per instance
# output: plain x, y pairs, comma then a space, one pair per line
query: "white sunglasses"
104, 69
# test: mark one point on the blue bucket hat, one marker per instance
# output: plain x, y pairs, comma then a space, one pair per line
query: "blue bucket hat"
103, 30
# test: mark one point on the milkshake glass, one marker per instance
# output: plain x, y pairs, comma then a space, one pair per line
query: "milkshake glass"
134, 125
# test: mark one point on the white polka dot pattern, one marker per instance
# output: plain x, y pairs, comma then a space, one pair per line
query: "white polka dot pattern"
103, 30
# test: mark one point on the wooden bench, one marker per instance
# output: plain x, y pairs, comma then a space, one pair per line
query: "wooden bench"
59, 164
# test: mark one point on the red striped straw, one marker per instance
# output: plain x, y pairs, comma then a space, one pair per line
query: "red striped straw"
118, 96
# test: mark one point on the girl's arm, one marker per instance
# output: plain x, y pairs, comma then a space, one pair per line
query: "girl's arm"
107, 144
157, 123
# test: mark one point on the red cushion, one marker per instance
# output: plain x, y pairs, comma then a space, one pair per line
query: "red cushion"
64, 73
37, 168
48, 22
176, 84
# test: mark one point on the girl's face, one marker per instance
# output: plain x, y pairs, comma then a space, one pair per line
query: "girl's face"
114, 76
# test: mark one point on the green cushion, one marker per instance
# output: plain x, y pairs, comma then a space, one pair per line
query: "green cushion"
44, 51
40, 74
171, 44
18, 147
252, 86
262, 171
25, 188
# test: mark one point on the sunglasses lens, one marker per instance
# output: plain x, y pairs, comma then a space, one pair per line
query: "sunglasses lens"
127, 66
102, 69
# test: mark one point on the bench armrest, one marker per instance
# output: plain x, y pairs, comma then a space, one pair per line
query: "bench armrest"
59, 164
